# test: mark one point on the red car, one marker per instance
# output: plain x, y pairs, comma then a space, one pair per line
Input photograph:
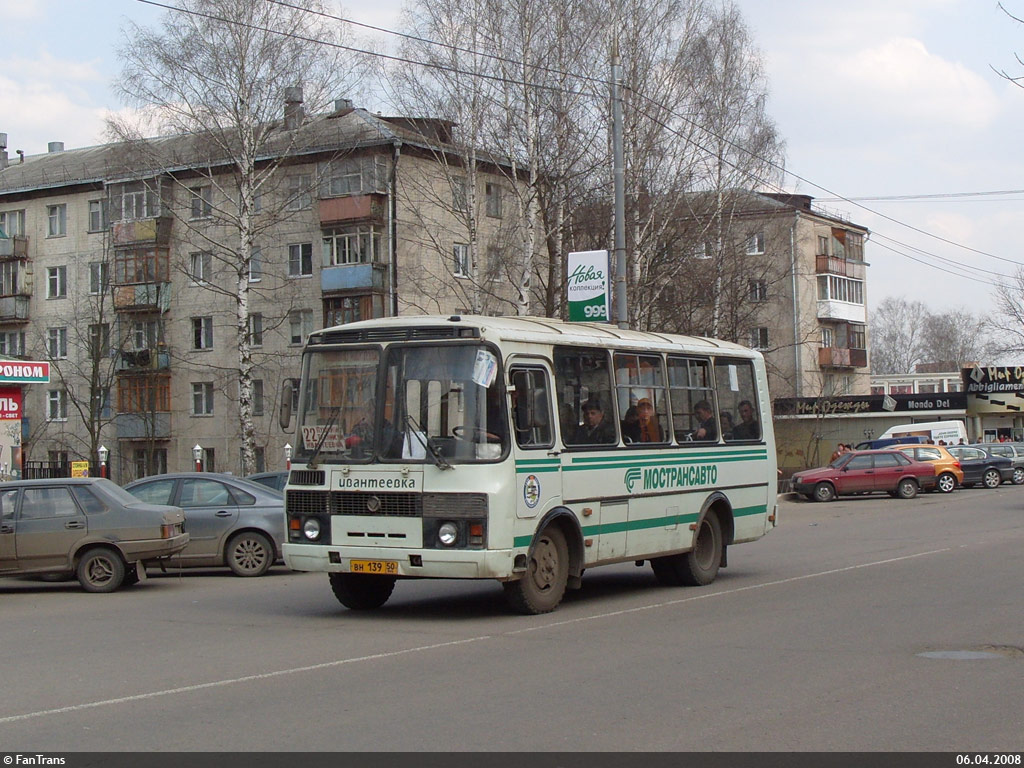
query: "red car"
866, 472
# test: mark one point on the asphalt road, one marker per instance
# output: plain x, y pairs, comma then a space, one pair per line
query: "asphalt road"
811, 640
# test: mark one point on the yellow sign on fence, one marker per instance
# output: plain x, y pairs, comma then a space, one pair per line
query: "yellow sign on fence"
79, 468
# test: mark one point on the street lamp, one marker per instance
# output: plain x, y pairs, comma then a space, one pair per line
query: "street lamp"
288, 456
197, 454
104, 454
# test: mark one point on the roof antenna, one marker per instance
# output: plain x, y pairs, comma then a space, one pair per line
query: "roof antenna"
21, 155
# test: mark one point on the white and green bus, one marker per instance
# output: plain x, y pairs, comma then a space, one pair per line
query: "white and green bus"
525, 450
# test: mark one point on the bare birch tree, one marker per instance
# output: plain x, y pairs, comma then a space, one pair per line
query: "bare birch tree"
219, 70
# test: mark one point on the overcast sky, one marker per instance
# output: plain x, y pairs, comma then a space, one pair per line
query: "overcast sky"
874, 98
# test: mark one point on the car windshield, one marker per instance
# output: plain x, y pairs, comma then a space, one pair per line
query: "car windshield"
840, 461
439, 403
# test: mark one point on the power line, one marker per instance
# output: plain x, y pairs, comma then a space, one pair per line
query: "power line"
935, 196
559, 89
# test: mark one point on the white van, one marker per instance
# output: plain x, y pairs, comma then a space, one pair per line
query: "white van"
951, 432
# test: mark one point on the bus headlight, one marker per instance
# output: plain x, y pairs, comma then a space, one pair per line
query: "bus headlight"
311, 529
448, 534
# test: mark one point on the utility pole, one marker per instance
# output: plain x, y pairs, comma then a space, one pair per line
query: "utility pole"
618, 174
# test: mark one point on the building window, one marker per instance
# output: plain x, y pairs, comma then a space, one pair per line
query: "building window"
12, 343
300, 325
99, 277
134, 200
257, 397
200, 267
12, 223
822, 245
57, 343
56, 282
460, 256
827, 339
460, 200
256, 329
150, 461
352, 245
207, 462
354, 175
492, 193
56, 220
835, 288
146, 333
759, 338
57, 405
202, 201
300, 192
300, 259
339, 310
202, 332
142, 265
202, 398
101, 403
144, 394
858, 337
758, 290
99, 340
755, 244
97, 215
9, 278
255, 265
855, 246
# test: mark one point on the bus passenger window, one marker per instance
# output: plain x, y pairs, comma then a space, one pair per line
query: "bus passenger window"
582, 377
531, 408
640, 389
693, 400
737, 392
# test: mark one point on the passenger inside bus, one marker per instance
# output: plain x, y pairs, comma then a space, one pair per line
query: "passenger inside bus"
706, 429
646, 429
596, 429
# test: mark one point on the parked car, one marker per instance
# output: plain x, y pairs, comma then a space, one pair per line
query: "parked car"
947, 469
275, 480
1015, 453
231, 521
887, 442
88, 527
866, 472
980, 466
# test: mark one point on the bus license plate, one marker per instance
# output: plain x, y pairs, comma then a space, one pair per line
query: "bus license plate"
373, 566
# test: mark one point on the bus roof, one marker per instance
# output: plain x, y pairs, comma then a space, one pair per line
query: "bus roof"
537, 330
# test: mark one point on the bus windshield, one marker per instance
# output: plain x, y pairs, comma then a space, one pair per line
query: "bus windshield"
439, 404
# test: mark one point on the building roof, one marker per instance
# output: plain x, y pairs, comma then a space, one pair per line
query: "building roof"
347, 128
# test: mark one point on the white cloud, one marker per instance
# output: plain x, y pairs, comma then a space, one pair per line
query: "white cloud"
43, 113
19, 10
906, 81
45, 67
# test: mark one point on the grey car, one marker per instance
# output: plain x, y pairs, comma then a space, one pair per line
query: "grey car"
88, 527
231, 521
1012, 451
275, 480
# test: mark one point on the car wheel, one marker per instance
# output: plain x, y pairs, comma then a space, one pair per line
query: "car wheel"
907, 489
249, 554
361, 592
946, 482
824, 492
1018, 475
100, 570
541, 588
991, 478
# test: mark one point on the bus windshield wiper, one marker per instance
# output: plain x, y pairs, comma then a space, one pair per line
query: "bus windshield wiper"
323, 437
428, 445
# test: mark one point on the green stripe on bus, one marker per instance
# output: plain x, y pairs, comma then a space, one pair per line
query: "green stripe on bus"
660, 457
652, 522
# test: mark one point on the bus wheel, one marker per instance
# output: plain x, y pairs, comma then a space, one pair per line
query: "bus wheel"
362, 593
697, 567
541, 588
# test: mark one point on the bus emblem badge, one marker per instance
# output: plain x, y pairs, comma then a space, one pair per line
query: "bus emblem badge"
531, 491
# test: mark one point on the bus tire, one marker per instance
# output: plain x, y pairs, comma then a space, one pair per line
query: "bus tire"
360, 592
541, 588
700, 565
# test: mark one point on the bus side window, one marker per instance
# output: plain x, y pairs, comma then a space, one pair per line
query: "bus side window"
693, 402
582, 377
737, 393
531, 408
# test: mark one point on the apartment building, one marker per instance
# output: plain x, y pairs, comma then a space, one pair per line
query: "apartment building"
117, 267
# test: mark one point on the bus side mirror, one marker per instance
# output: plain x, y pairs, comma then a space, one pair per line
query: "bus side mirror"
285, 414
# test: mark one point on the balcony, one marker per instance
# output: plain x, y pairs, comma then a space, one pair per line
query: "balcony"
842, 357
140, 360
143, 426
342, 210
154, 231
832, 265
830, 309
13, 247
142, 297
347, 277
14, 309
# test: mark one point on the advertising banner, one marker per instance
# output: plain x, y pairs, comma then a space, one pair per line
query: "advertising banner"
588, 286
10, 403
